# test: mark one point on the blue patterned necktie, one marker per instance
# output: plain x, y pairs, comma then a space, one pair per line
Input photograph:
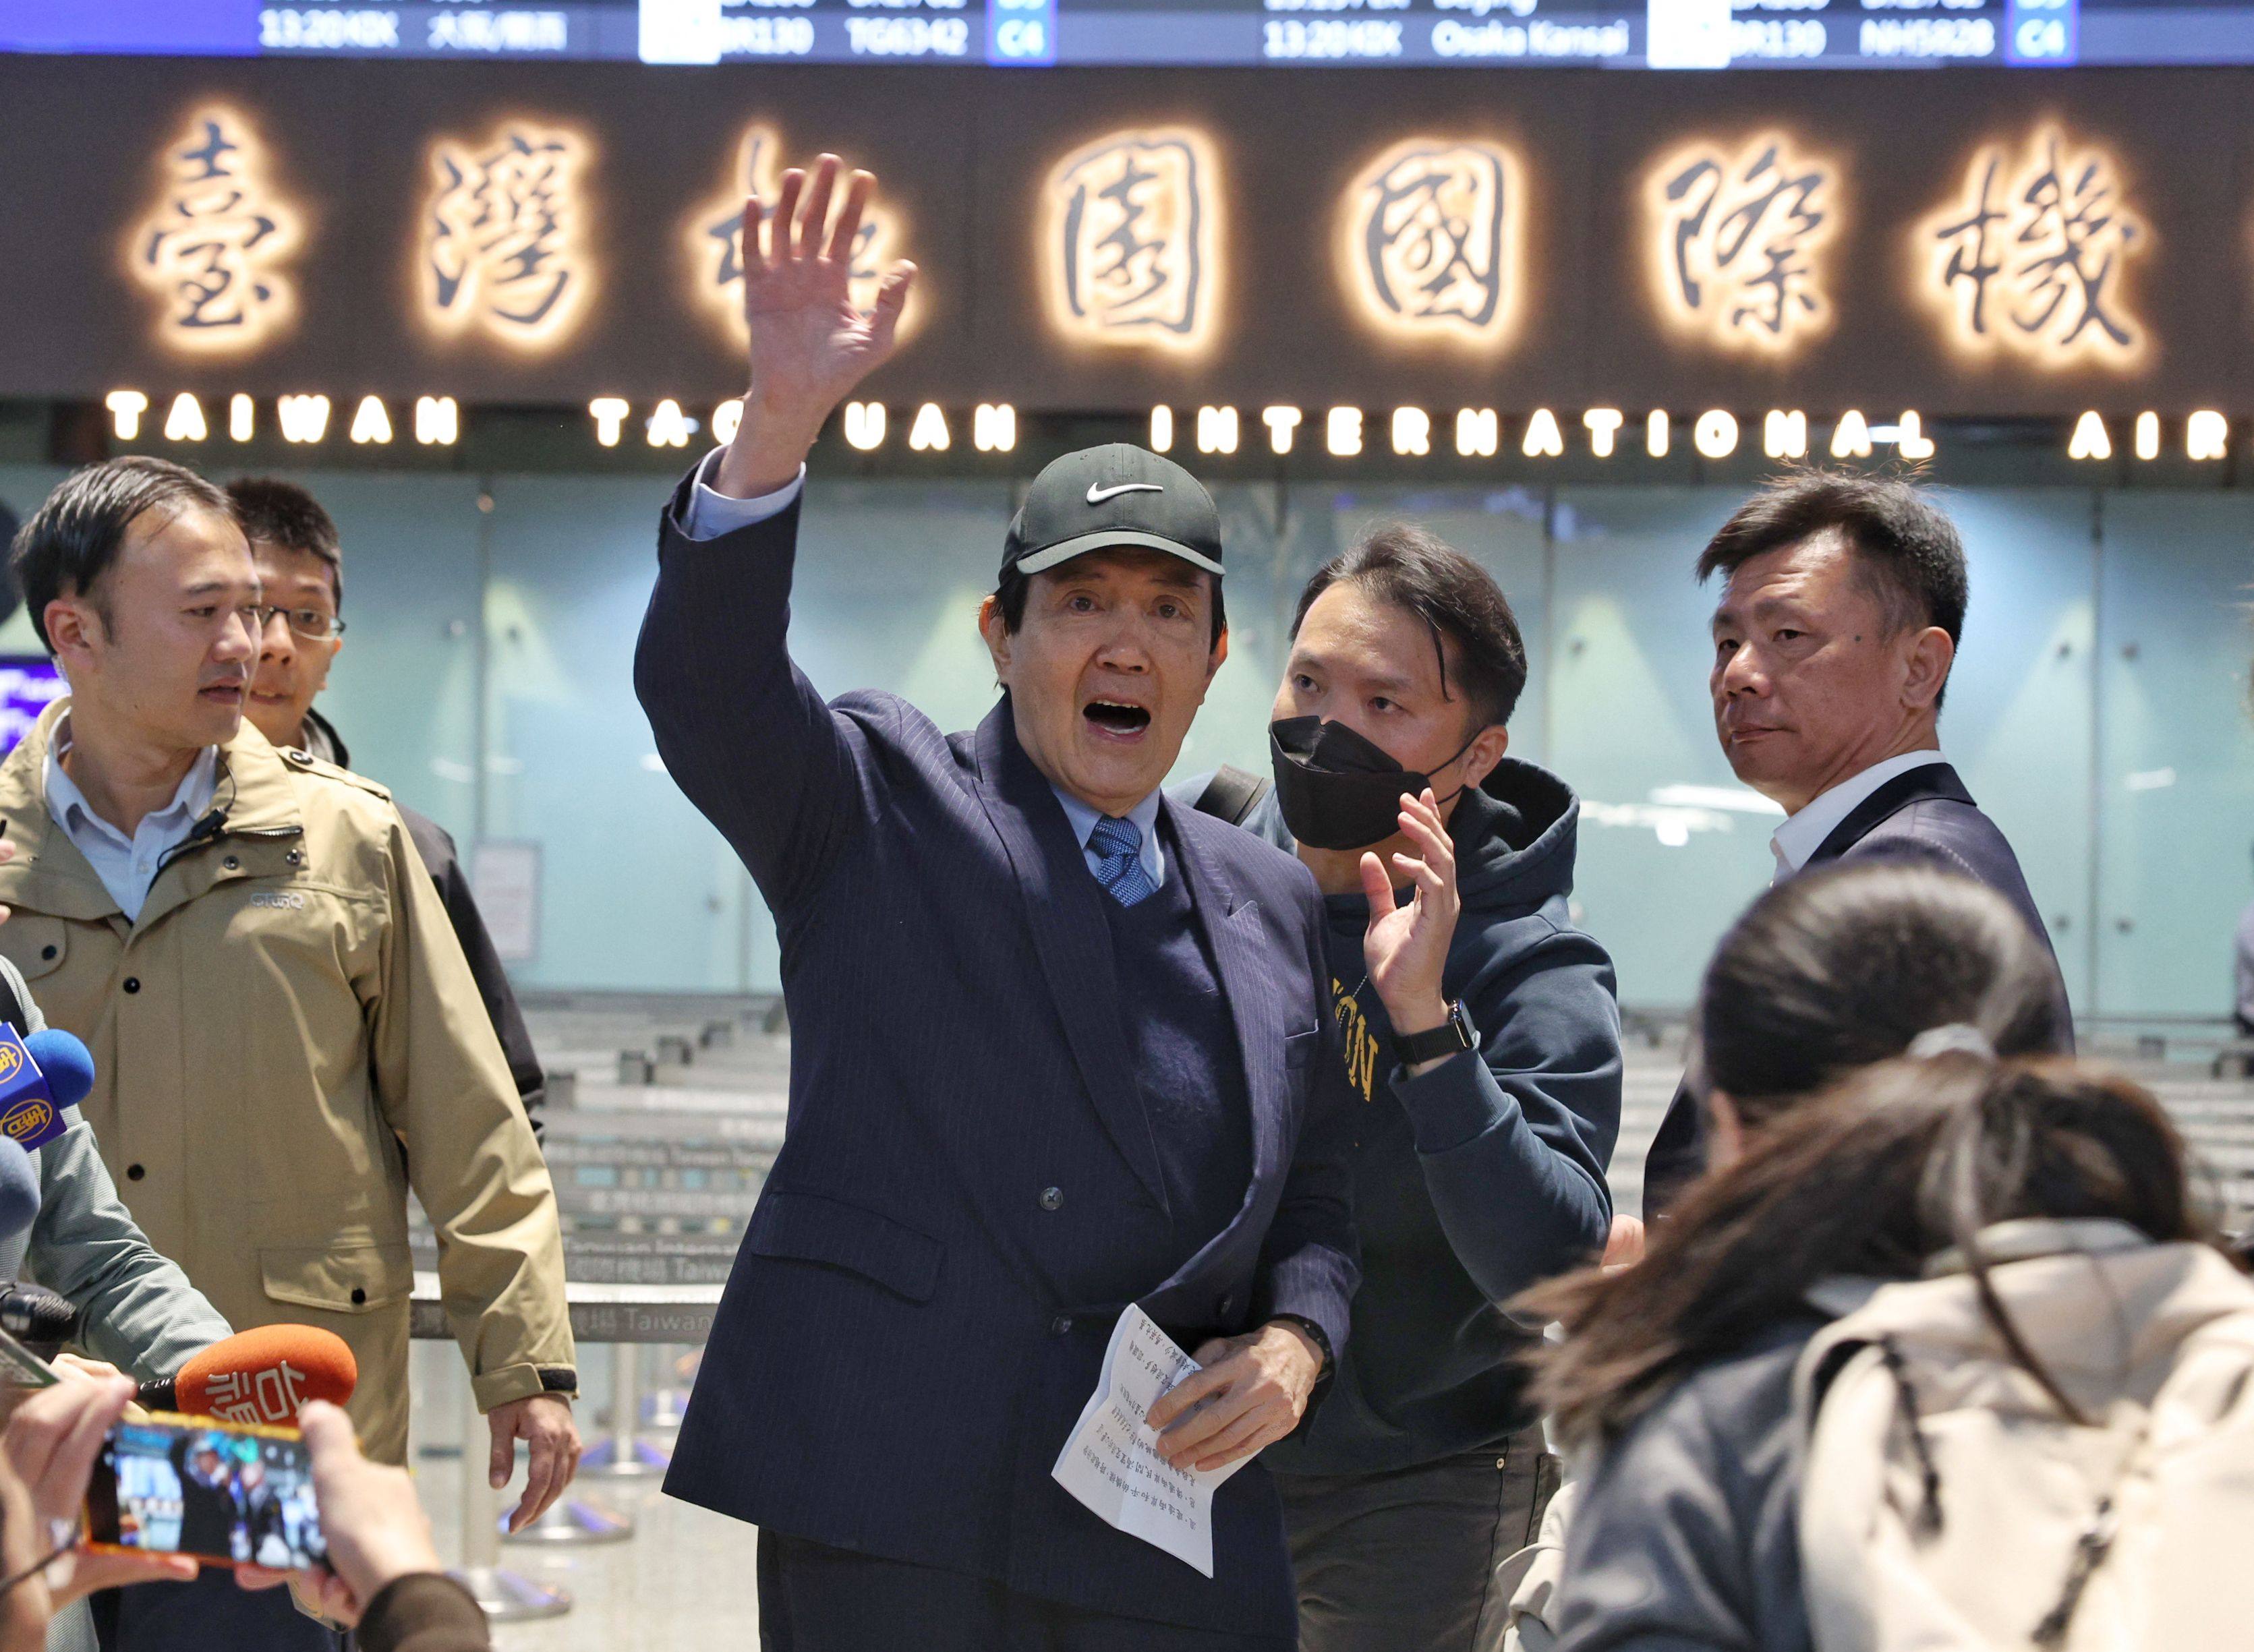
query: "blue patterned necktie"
1118, 846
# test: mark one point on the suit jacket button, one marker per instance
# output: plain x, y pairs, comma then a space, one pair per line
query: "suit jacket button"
1221, 1307
1052, 1198
1061, 1325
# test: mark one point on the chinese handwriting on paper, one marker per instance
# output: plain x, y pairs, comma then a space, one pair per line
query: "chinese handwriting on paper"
716, 230
2029, 256
1738, 244
501, 250
1133, 238
1431, 236
216, 246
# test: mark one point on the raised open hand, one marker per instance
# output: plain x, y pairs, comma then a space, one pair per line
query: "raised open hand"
1406, 947
809, 345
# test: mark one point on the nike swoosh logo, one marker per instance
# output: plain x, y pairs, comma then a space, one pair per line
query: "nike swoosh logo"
1097, 495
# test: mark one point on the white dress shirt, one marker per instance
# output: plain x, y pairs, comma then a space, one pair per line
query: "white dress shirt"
128, 865
710, 514
1803, 833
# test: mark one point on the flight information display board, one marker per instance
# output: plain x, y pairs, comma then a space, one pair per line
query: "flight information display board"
1647, 34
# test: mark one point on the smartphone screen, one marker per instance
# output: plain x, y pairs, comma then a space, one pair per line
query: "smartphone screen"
229, 1493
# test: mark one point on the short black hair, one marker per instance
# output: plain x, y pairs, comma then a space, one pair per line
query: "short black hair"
74, 538
285, 514
1906, 550
1010, 596
1842, 967
1456, 599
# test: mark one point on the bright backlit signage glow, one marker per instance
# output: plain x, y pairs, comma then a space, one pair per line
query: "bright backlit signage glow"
1479, 432
865, 425
1738, 244
303, 418
1715, 435
2030, 258
1131, 239
994, 427
928, 434
502, 253
1430, 238
217, 245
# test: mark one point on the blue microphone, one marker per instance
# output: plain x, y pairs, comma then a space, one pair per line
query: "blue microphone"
38, 1078
65, 1062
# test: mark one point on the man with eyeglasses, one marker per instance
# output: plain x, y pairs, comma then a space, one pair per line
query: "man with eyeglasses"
301, 571
285, 1034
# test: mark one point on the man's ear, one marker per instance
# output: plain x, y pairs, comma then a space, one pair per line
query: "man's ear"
997, 633
1931, 654
72, 629
1484, 752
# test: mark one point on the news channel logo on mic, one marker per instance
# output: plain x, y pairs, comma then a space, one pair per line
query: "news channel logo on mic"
29, 1114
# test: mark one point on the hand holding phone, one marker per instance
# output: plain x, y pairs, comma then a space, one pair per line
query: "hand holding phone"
47, 1455
376, 1530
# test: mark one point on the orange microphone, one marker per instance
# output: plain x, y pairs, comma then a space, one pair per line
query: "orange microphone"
265, 1375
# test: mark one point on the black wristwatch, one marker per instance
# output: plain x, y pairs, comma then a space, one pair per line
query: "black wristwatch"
1451, 1035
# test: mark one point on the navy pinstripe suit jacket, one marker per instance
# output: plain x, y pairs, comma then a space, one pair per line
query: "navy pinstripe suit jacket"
909, 1332
1926, 816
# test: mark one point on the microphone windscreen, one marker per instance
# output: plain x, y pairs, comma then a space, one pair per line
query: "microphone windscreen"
265, 1376
19, 1194
65, 1062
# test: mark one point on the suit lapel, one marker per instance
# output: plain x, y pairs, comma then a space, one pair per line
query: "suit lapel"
1248, 981
1919, 785
1070, 932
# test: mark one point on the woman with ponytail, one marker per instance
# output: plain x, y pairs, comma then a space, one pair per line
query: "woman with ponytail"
1867, 1044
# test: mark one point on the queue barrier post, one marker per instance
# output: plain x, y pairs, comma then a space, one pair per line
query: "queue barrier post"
599, 1314
505, 1596
625, 1455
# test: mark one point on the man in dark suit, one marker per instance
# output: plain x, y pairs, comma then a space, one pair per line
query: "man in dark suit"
1840, 620
301, 573
1059, 1046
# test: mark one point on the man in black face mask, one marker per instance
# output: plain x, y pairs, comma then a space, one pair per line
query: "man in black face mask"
1483, 1040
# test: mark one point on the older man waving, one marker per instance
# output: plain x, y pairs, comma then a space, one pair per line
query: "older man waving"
1058, 1048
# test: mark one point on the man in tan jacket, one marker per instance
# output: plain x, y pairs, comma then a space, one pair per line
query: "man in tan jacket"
285, 1032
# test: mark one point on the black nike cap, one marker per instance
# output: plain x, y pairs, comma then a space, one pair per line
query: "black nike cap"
1111, 498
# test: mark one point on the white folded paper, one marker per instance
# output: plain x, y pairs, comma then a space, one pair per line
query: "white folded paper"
1111, 1463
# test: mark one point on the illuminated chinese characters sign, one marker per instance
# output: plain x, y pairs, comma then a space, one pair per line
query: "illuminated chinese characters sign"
1738, 244
2030, 257
1990, 263
216, 247
502, 249
1428, 238
713, 235
1130, 232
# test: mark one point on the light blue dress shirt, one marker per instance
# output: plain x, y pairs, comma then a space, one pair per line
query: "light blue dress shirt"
710, 514
1145, 817
128, 865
